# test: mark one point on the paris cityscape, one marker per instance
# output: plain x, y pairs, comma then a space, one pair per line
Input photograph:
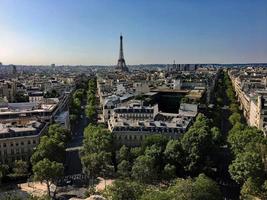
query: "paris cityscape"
123, 100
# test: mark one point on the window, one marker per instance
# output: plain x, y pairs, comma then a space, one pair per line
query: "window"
4, 145
17, 151
12, 151
17, 144
34, 142
22, 143
11, 144
29, 142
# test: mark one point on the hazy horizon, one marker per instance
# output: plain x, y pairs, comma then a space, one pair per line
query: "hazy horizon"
38, 32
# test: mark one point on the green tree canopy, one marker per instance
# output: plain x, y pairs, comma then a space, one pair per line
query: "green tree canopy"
97, 151
96, 164
247, 164
169, 172
3, 171
174, 153
199, 143
49, 148
59, 133
125, 153
156, 139
239, 139
124, 168
20, 168
206, 189
47, 171
235, 118
143, 169
124, 189
202, 188
97, 139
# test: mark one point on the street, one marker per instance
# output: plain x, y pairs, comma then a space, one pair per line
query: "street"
73, 162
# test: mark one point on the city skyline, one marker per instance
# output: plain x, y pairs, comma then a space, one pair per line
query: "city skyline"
87, 32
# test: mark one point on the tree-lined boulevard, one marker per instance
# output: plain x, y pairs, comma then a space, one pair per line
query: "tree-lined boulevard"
219, 156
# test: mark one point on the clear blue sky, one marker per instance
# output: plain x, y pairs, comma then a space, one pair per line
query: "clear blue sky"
155, 31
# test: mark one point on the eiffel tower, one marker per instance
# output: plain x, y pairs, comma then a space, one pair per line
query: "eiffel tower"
121, 66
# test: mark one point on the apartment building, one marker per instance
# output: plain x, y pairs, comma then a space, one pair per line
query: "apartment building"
22, 124
18, 139
132, 124
8, 90
251, 91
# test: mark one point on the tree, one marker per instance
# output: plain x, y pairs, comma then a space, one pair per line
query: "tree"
196, 144
47, 171
156, 153
10, 196
169, 172
155, 194
91, 99
97, 139
199, 144
174, 154
96, 164
124, 168
3, 171
251, 188
97, 151
247, 164
90, 111
143, 169
59, 133
136, 151
240, 138
156, 139
235, 118
49, 148
124, 153
202, 188
77, 103
78, 94
124, 189
20, 168
206, 189
234, 108
182, 189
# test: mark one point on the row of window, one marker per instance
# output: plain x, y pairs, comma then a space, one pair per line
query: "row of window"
11, 144
5, 160
136, 115
19, 134
148, 129
15, 151
131, 137
133, 111
18, 115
